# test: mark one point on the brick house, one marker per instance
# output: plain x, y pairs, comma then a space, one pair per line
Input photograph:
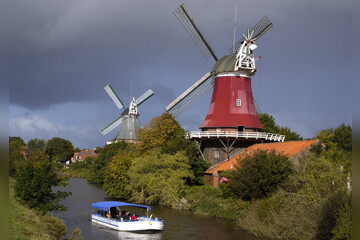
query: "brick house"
84, 153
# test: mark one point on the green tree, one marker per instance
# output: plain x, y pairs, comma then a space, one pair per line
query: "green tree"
59, 149
289, 135
259, 174
34, 182
268, 122
159, 178
15, 157
338, 139
343, 137
338, 144
35, 145
116, 174
99, 164
165, 132
18, 140
199, 166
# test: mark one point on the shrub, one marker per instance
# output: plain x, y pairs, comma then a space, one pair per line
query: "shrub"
208, 201
34, 181
159, 178
260, 174
282, 216
116, 174
99, 164
335, 218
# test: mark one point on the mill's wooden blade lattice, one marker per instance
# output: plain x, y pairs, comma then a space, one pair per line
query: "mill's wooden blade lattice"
144, 97
184, 17
258, 30
113, 96
111, 126
191, 95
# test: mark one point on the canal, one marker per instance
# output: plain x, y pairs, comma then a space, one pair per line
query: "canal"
179, 224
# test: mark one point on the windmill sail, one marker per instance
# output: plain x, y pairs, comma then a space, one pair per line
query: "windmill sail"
144, 97
257, 31
184, 17
113, 96
191, 95
111, 125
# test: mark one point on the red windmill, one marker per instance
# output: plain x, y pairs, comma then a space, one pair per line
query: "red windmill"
232, 115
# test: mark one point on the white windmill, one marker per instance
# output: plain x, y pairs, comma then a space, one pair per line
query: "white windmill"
128, 118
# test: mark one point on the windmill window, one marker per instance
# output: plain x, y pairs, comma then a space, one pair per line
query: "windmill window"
238, 102
217, 153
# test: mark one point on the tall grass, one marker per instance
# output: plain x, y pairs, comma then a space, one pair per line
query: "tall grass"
282, 216
25, 223
209, 201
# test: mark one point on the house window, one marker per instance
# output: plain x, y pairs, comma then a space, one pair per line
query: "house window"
238, 102
217, 153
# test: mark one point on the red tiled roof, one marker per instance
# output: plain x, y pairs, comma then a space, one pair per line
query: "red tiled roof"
289, 149
85, 155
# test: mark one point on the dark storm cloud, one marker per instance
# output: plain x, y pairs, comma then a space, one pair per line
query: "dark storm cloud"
67, 52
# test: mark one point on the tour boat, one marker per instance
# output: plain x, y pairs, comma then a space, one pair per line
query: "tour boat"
116, 215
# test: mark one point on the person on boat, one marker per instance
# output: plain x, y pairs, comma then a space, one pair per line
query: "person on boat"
108, 215
133, 217
119, 215
126, 216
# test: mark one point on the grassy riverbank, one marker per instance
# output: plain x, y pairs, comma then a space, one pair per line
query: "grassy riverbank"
25, 223
75, 173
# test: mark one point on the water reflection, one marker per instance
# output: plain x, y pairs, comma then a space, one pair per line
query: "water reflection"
98, 229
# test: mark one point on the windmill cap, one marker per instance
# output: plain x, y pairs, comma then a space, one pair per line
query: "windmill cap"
225, 64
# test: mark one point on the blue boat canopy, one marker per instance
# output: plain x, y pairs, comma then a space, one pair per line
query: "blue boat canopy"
106, 205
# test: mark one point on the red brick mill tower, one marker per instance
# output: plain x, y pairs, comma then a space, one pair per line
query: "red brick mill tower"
231, 123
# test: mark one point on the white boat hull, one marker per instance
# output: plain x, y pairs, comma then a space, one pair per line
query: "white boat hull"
143, 224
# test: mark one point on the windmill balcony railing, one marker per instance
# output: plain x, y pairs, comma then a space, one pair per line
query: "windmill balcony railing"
235, 134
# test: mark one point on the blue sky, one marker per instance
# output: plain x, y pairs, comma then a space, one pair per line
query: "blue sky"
63, 53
